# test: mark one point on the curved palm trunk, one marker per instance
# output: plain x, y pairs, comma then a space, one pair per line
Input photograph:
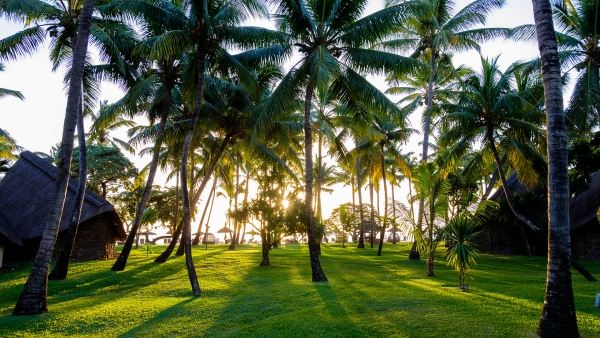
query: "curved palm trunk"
317, 272
493, 180
509, 197
60, 270
197, 236
185, 197
361, 236
385, 204
33, 298
558, 318
121, 261
165, 254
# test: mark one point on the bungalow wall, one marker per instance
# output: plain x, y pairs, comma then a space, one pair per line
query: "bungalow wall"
585, 241
95, 240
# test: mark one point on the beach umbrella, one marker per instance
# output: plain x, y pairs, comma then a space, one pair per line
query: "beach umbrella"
224, 230
252, 233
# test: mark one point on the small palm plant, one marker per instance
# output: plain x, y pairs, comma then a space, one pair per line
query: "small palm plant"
461, 230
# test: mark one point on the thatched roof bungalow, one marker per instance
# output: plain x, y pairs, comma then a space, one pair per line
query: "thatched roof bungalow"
519, 239
25, 193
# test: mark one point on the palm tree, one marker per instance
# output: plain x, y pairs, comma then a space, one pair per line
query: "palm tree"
154, 94
59, 21
460, 254
577, 38
33, 298
433, 188
489, 109
61, 268
435, 32
103, 124
558, 317
331, 40
8, 145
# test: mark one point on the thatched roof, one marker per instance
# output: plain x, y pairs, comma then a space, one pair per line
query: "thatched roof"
582, 208
514, 187
25, 193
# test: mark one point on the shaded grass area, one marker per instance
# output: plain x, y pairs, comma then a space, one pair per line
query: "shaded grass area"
372, 296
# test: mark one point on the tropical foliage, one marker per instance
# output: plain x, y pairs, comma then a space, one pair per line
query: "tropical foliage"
283, 116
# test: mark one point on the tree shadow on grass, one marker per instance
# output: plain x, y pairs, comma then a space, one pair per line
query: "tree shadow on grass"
164, 323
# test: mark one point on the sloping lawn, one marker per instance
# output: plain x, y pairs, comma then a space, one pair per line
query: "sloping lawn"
366, 295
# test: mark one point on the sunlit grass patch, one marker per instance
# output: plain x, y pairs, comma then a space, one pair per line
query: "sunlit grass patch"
367, 295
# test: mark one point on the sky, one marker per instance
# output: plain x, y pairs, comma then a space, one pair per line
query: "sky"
36, 123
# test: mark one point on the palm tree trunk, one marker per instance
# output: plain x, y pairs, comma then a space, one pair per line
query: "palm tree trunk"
236, 234
394, 214
353, 209
176, 220
509, 197
372, 212
61, 269
209, 171
385, 204
361, 236
414, 254
317, 272
33, 298
319, 179
197, 236
558, 318
493, 180
121, 261
185, 197
165, 255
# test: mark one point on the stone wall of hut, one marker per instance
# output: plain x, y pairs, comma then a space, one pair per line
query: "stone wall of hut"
585, 241
511, 239
95, 241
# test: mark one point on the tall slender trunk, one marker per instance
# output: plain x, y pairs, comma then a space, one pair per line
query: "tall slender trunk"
319, 179
317, 272
235, 198
33, 298
414, 254
372, 212
197, 236
185, 197
61, 269
361, 236
558, 318
207, 174
385, 204
175, 221
353, 209
121, 261
393, 214
246, 198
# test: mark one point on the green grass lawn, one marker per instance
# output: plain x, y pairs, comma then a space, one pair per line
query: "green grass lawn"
386, 296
